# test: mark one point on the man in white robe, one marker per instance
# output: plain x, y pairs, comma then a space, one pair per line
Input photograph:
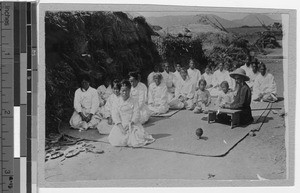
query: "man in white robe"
252, 75
86, 105
169, 79
247, 67
194, 73
264, 88
184, 92
177, 73
139, 93
158, 96
219, 76
208, 77
150, 76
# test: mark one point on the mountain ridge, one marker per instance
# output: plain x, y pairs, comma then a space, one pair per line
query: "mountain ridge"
171, 20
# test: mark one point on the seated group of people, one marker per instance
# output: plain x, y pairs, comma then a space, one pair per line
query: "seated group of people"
122, 108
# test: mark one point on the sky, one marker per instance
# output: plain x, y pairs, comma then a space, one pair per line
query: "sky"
228, 16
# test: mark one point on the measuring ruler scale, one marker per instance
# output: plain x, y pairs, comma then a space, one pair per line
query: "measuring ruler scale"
18, 88
6, 98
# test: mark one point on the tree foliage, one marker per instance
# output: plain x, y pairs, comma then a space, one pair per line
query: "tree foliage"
180, 50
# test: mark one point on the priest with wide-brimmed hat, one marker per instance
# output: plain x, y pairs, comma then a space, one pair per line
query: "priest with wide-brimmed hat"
242, 98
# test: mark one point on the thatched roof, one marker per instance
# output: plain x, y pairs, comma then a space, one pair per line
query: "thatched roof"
101, 44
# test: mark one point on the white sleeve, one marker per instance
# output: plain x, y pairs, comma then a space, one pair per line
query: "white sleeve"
191, 92
77, 105
115, 114
214, 79
256, 87
150, 98
271, 85
136, 113
108, 104
164, 96
95, 101
177, 89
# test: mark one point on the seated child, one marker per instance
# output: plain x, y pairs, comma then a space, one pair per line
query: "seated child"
225, 96
202, 98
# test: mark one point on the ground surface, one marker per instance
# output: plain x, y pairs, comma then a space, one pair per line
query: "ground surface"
261, 156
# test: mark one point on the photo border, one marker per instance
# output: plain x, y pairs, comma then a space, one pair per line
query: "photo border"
289, 54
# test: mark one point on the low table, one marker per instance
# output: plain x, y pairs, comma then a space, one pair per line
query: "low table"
233, 113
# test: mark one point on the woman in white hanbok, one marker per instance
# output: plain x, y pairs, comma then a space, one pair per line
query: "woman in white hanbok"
127, 129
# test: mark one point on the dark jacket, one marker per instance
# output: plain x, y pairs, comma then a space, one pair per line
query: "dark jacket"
242, 101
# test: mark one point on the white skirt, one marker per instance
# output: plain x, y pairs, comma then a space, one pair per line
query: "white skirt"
136, 136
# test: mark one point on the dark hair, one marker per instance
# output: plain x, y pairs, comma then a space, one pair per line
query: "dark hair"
256, 64
261, 64
135, 75
84, 77
158, 75
224, 83
156, 68
184, 68
125, 83
202, 80
116, 83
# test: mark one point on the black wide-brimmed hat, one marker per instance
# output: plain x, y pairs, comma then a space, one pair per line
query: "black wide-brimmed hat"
239, 72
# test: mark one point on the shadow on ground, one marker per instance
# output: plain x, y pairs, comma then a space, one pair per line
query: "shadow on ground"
160, 135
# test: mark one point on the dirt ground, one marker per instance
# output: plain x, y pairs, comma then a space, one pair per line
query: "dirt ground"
261, 156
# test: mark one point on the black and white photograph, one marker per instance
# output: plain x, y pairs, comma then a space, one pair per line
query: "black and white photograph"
165, 95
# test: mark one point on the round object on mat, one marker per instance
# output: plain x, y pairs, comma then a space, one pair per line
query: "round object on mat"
252, 134
199, 132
